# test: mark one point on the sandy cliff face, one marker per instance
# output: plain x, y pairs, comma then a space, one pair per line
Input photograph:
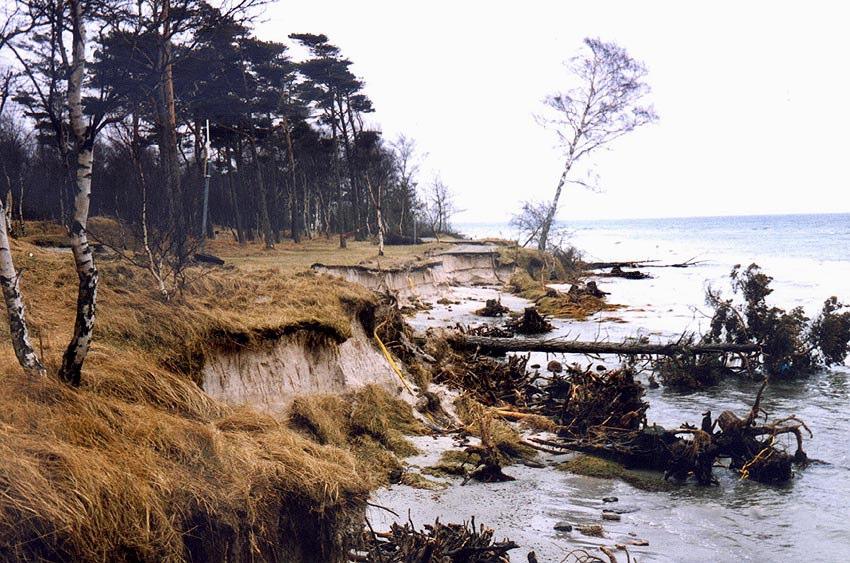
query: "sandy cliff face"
307, 362
429, 280
297, 364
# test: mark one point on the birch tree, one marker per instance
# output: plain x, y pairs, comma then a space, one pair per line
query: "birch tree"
9, 280
605, 103
84, 135
9, 276
71, 18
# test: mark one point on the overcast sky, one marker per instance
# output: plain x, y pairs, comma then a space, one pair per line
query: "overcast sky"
753, 99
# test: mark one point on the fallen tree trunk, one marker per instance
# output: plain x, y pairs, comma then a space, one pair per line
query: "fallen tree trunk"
624, 264
639, 264
556, 345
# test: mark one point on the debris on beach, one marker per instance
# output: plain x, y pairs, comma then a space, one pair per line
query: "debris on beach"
789, 344
531, 322
444, 543
581, 301
492, 308
604, 414
601, 411
618, 272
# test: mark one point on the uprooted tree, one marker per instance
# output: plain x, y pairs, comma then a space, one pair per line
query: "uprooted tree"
789, 344
603, 412
605, 102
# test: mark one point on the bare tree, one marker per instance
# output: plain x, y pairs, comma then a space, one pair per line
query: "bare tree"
529, 221
605, 103
407, 165
439, 207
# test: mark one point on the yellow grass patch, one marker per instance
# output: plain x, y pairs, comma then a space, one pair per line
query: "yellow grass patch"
139, 463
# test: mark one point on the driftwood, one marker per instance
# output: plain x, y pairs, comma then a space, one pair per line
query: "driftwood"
639, 264
447, 543
531, 322
565, 346
607, 265
618, 272
492, 308
209, 259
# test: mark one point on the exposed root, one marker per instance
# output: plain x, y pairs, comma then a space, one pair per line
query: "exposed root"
531, 322
448, 543
492, 308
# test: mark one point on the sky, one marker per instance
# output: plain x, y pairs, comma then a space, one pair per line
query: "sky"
752, 98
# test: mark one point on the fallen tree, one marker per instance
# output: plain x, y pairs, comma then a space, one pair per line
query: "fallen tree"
602, 412
567, 346
639, 264
789, 344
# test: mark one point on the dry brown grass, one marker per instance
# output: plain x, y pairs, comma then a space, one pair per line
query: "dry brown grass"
537, 264
139, 464
369, 422
481, 421
291, 258
103, 473
223, 308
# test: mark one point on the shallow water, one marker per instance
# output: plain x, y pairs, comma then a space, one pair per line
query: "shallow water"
807, 519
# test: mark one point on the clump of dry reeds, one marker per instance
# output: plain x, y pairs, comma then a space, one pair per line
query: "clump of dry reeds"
139, 464
369, 422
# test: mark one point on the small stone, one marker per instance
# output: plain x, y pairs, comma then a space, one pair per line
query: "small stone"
622, 509
564, 527
592, 530
533, 464
611, 516
610, 499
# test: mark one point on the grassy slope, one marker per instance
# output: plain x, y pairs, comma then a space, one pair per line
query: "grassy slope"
139, 463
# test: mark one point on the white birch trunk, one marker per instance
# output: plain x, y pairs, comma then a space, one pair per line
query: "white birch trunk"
15, 305
550, 215
75, 354
380, 231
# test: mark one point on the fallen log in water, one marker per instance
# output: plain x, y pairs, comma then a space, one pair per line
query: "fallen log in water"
639, 264
565, 346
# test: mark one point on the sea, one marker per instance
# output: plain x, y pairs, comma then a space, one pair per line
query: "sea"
807, 519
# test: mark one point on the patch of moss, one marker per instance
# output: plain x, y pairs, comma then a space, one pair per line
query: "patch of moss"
555, 303
419, 481
453, 462
592, 466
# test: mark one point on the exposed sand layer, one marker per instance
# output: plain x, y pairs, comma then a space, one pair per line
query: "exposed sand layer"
296, 364
463, 265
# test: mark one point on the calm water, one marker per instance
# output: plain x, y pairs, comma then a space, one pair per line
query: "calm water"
808, 519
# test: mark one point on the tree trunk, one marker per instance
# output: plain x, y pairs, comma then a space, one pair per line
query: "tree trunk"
550, 215
75, 354
167, 125
265, 223
566, 346
297, 209
352, 176
15, 305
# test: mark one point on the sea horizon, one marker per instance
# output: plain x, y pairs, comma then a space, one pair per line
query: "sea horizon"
672, 218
